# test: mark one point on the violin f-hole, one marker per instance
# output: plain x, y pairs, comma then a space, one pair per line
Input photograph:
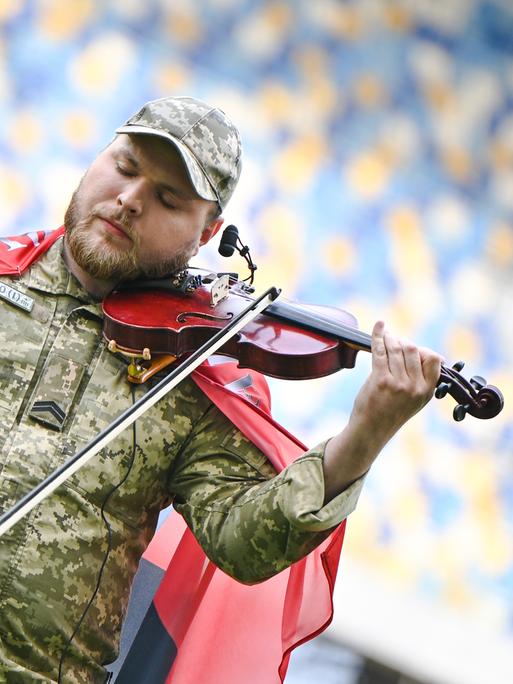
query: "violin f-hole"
186, 315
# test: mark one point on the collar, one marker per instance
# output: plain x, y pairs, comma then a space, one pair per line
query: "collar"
50, 274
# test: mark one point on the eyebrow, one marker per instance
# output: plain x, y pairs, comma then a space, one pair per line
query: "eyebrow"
127, 150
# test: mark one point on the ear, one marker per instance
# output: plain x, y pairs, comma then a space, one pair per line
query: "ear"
210, 230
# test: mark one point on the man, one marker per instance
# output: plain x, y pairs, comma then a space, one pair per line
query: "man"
144, 207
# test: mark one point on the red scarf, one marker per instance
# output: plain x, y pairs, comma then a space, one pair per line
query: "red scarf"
223, 631
18, 252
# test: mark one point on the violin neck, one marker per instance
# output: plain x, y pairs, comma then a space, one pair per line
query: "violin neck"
316, 321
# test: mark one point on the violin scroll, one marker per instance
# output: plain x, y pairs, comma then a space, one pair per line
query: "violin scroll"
474, 396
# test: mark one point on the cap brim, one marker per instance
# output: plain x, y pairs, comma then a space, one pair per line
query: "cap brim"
196, 174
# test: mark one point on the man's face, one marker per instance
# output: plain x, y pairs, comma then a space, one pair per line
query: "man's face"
135, 212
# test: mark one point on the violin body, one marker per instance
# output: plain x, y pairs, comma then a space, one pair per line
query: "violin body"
178, 324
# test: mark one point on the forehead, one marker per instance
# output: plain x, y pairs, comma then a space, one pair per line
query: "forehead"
155, 157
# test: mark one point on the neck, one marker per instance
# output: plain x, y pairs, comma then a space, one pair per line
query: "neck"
98, 289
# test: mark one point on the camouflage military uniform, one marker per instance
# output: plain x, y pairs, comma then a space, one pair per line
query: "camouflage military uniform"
59, 387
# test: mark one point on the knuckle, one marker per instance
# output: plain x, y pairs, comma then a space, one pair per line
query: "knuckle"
395, 386
405, 389
393, 344
410, 347
383, 383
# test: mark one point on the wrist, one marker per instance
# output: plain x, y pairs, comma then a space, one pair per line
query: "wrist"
347, 456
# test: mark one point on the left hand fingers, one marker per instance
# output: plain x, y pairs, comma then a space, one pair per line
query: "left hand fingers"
403, 358
407, 362
431, 365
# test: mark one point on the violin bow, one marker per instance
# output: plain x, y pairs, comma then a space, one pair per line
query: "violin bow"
59, 475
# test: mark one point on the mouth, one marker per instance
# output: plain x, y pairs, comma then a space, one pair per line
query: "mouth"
115, 228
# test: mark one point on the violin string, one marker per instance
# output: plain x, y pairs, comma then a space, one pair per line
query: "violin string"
299, 314
324, 324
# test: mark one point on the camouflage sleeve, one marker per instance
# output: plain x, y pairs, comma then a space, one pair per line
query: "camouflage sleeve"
249, 520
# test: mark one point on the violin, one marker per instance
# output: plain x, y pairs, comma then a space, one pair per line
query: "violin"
182, 321
164, 321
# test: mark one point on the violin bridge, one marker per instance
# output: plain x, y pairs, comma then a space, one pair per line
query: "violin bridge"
219, 289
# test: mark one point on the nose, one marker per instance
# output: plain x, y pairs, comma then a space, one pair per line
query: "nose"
131, 197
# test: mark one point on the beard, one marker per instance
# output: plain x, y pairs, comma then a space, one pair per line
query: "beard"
103, 259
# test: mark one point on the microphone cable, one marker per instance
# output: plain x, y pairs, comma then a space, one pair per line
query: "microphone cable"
109, 547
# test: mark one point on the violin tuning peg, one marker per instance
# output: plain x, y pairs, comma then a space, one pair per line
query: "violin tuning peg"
458, 366
459, 412
478, 382
442, 390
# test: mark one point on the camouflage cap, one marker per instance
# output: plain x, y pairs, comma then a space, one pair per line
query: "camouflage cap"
206, 139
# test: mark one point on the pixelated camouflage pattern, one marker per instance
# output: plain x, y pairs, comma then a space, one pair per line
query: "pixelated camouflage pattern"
251, 523
207, 140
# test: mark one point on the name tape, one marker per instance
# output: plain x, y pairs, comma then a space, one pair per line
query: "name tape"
13, 296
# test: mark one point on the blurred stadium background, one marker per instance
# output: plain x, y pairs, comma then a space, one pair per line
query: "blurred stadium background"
378, 177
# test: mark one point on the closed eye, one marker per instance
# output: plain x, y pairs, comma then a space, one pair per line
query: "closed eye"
166, 200
125, 170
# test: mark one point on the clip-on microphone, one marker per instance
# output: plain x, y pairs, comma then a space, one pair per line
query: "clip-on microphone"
230, 242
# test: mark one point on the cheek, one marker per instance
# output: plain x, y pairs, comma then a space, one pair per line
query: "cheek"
172, 232
98, 186
163, 245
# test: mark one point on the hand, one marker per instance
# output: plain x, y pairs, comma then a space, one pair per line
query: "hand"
402, 381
